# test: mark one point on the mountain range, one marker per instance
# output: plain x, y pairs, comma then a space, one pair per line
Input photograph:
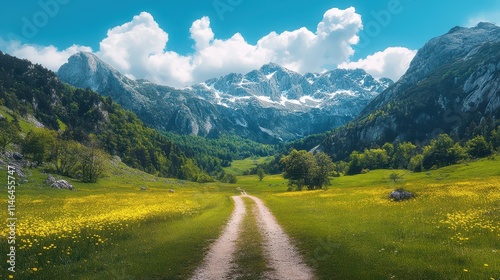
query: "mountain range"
452, 86
268, 105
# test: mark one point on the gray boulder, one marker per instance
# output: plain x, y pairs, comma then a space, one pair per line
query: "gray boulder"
400, 195
58, 184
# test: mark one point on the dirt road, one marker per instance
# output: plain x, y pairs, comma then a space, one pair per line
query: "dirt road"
283, 259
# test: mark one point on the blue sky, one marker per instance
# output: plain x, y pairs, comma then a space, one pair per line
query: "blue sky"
48, 31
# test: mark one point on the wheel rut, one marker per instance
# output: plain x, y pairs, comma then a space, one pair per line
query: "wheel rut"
283, 259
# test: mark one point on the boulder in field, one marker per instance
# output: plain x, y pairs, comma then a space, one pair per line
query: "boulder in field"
400, 195
58, 184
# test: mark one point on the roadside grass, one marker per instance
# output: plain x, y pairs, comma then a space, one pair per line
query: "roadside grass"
112, 229
239, 166
250, 261
353, 231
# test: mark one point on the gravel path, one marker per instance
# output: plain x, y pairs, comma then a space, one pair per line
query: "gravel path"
282, 256
218, 261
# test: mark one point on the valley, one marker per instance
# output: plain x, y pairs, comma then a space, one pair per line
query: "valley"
267, 173
351, 230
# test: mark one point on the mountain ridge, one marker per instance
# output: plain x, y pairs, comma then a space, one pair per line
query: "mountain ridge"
269, 105
455, 93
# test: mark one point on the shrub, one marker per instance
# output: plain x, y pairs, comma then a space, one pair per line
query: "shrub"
396, 176
229, 178
477, 147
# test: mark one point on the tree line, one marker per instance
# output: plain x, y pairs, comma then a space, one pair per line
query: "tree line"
83, 116
313, 170
440, 152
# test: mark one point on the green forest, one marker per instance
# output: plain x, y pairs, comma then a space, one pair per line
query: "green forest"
72, 116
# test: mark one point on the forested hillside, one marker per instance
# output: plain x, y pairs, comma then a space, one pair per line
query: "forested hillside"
452, 87
33, 92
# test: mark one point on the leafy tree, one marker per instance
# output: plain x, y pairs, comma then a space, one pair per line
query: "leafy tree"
38, 144
403, 154
297, 166
355, 163
9, 133
229, 178
305, 169
389, 148
396, 176
92, 162
204, 178
442, 152
324, 166
416, 163
477, 147
69, 158
190, 171
375, 159
340, 167
260, 173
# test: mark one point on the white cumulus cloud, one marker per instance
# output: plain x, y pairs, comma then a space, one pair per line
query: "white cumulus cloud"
48, 56
139, 48
129, 46
391, 63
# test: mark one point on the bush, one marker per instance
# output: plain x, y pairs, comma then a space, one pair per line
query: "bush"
229, 178
396, 176
204, 178
477, 147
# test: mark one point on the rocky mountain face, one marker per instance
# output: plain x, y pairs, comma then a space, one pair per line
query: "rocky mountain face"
267, 105
452, 86
273, 86
459, 43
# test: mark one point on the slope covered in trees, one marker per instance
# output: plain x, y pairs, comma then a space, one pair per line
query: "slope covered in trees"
31, 90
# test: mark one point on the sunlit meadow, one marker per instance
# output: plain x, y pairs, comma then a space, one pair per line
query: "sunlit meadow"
451, 230
81, 232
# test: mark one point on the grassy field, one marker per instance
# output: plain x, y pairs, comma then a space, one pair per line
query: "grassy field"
112, 229
352, 231
239, 166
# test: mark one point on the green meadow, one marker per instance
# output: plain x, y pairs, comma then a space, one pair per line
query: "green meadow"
238, 167
451, 230
114, 230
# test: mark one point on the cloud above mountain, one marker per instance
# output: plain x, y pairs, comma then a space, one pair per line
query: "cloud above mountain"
48, 56
139, 48
492, 16
391, 63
